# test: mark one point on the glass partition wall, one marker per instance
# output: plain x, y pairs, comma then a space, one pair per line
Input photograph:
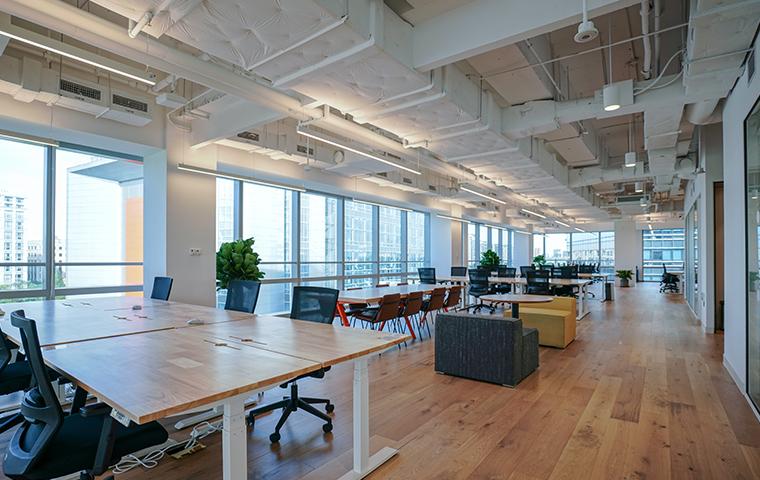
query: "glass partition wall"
71, 221
752, 211
589, 248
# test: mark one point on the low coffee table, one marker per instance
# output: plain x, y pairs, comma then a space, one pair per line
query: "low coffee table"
515, 300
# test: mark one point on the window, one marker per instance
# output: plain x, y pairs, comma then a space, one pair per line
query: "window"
416, 241
607, 252
98, 220
557, 248
268, 218
359, 233
484, 240
472, 245
662, 247
752, 268
22, 196
538, 245
319, 238
390, 243
585, 248
225, 211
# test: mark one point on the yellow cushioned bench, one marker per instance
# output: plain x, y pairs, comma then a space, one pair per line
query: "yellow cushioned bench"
555, 321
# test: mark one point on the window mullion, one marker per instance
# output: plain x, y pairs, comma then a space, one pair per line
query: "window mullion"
49, 222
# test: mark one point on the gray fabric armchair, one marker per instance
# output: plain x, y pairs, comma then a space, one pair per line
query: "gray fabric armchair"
489, 348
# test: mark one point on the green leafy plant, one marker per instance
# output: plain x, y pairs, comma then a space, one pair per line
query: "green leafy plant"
624, 274
539, 260
237, 261
489, 258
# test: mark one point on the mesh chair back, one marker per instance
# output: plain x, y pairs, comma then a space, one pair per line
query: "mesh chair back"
389, 307
314, 304
501, 271
565, 272
242, 295
412, 304
458, 271
454, 296
538, 281
524, 270
427, 275
478, 283
585, 269
437, 298
162, 288
510, 272
6, 352
40, 407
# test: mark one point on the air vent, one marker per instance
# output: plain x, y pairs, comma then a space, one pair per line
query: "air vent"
252, 136
392, 156
408, 181
382, 174
432, 188
81, 90
130, 103
302, 149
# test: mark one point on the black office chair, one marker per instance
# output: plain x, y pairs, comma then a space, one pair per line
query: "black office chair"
567, 272
524, 271
242, 295
162, 288
458, 271
668, 282
427, 275
505, 272
50, 444
479, 286
14, 377
311, 304
539, 282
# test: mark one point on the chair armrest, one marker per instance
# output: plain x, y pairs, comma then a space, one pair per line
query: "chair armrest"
95, 410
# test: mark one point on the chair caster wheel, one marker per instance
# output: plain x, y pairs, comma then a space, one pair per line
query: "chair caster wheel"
329, 408
274, 438
327, 427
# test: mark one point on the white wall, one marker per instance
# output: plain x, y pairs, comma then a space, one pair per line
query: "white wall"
628, 246
521, 251
441, 237
700, 192
737, 107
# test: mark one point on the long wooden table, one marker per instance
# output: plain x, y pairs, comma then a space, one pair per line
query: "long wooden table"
375, 294
151, 374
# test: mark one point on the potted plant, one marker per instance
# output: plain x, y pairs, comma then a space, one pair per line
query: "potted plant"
489, 258
625, 277
237, 261
539, 261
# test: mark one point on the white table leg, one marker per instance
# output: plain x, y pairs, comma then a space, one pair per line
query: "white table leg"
234, 447
363, 463
583, 301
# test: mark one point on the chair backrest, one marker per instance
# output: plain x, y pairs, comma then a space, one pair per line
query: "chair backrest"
478, 278
42, 412
524, 270
427, 275
501, 271
454, 296
413, 304
458, 271
565, 272
314, 304
538, 278
585, 269
437, 298
242, 295
510, 272
162, 288
6, 351
389, 307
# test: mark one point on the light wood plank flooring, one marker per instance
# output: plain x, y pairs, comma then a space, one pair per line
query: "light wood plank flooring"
641, 393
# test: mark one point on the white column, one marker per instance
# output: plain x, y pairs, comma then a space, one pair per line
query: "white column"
361, 415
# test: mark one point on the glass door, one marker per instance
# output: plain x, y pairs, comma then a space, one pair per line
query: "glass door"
752, 178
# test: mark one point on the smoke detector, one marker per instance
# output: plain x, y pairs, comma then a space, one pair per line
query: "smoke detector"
586, 30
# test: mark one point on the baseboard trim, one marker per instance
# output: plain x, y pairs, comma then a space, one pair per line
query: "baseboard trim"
741, 385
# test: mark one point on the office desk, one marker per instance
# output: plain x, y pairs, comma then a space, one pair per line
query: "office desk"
63, 321
375, 294
154, 374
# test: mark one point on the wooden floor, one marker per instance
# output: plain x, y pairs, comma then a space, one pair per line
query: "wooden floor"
641, 393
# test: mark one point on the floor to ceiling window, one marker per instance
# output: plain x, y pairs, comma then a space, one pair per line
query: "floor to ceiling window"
391, 255
89, 242
662, 247
752, 213
585, 248
557, 248
318, 230
478, 237
360, 245
472, 246
416, 240
538, 245
607, 252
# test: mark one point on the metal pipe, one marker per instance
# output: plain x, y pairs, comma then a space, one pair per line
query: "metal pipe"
657, 19
646, 68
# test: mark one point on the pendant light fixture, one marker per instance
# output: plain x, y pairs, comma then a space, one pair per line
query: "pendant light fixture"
630, 155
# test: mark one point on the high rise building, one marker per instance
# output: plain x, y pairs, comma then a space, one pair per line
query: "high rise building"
12, 214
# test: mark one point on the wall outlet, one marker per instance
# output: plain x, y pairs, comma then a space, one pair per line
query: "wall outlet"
194, 252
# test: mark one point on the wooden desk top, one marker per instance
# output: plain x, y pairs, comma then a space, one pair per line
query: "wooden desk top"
375, 294
157, 374
515, 298
58, 323
593, 275
520, 280
317, 342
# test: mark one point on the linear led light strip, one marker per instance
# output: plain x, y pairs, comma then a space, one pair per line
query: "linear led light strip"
483, 195
77, 58
448, 217
242, 178
380, 205
356, 151
580, 230
532, 213
561, 223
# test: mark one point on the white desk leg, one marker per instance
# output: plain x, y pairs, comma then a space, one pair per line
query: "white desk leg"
234, 448
363, 463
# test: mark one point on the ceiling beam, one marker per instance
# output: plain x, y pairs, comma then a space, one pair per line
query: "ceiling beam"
484, 25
